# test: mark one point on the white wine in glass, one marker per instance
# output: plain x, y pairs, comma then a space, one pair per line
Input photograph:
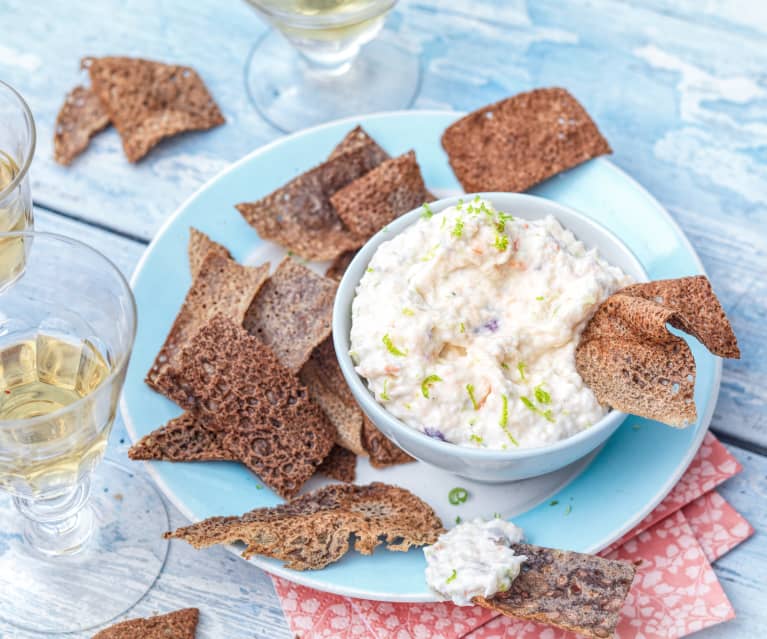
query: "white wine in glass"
69, 534
322, 61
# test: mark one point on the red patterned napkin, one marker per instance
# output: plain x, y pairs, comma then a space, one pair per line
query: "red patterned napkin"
676, 591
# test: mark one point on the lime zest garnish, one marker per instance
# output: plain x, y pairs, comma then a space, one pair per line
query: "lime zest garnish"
539, 298
541, 396
408, 311
521, 368
391, 347
369, 269
462, 327
458, 495
409, 406
505, 420
427, 212
452, 577
459, 206
458, 228
501, 241
476, 198
546, 414
431, 253
470, 390
476, 439
427, 383
385, 393
504, 365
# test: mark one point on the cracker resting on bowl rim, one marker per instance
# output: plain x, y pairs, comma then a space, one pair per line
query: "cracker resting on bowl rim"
313, 530
630, 360
574, 591
520, 141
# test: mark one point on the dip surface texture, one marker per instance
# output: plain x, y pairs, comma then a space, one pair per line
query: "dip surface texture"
473, 559
465, 327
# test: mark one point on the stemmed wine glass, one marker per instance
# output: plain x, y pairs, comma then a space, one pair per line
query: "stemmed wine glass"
77, 549
321, 62
17, 147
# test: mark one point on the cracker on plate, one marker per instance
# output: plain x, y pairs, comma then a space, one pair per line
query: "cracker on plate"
181, 624
327, 387
235, 384
148, 101
380, 196
574, 591
198, 248
292, 312
182, 439
515, 143
221, 286
339, 265
630, 360
313, 530
340, 464
382, 451
299, 215
81, 116
358, 138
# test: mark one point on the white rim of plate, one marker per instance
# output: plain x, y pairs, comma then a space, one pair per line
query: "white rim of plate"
301, 578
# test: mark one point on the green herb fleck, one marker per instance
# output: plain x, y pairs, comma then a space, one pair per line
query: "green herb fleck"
504, 365
541, 395
458, 495
569, 509
369, 269
427, 212
458, 519
547, 415
539, 298
427, 383
452, 577
458, 228
505, 419
496, 515
476, 439
385, 393
476, 198
470, 390
553, 502
459, 206
391, 347
501, 241
408, 311
259, 487
521, 368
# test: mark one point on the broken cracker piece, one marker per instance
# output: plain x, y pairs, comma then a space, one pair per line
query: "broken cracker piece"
292, 313
382, 451
574, 591
181, 624
221, 286
182, 439
235, 384
340, 464
81, 116
630, 360
380, 196
339, 265
356, 139
148, 101
520, 141
198, 248
313, 530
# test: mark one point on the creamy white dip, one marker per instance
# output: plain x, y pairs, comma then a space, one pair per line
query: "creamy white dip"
465, 327
473, 559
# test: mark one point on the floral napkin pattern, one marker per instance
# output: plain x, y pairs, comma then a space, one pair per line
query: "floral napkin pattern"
675, 592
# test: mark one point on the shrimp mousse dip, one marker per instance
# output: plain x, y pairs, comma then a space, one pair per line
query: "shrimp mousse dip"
474, 559
465, 327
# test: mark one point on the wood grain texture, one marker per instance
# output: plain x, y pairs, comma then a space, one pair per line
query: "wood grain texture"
677, 86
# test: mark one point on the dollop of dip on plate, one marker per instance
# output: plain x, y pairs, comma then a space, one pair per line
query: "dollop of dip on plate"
465, 327
474, 559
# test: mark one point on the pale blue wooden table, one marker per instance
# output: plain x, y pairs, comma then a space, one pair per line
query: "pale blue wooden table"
680, 92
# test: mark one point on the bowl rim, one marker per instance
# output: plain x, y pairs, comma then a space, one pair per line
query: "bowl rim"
376, 412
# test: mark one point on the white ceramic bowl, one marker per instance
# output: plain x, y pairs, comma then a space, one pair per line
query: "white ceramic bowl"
475, 463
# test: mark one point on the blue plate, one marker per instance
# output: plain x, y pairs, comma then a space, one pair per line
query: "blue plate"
596, 502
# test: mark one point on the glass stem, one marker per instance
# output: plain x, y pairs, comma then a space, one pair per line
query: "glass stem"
58, 525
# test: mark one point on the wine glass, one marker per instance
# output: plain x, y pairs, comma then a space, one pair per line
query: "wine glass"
17, 146
77, 549
321, 62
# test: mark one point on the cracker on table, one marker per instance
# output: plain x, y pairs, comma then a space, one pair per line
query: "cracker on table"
81, 116
520, 141
181, 624
148, 101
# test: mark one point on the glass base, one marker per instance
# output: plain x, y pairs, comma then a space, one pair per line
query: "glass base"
290, 95
108, 576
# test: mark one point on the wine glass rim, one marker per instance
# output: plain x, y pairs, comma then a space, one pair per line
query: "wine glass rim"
124, 357
30, 150
293, 19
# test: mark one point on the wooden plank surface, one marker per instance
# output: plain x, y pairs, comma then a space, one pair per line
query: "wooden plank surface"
678, 87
